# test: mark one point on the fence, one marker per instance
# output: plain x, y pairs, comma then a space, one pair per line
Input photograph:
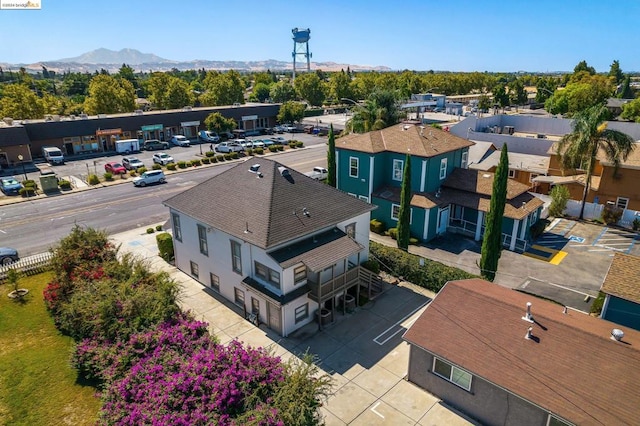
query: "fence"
594, 211
31, 265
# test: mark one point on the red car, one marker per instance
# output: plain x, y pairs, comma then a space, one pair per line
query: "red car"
115, 168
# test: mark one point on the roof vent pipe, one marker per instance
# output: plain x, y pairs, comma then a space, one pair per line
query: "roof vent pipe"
528, 336
564, 310
617, 334
527, 316
283, 171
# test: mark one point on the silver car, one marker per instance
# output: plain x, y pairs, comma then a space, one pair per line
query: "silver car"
150, 177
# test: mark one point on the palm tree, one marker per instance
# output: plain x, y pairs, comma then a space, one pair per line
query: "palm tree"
589, 137
380, 110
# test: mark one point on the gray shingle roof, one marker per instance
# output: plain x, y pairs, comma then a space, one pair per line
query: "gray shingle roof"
271, 208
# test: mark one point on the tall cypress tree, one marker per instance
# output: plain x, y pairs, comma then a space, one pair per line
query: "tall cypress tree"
404, 215
492, 241
331, 159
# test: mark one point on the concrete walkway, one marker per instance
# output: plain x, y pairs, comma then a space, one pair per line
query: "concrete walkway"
363, 352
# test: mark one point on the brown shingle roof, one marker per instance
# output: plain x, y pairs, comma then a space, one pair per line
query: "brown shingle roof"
481, 182
403, 138
237, 200
513, 208
418, 199
321, 254
622, 279
573, 368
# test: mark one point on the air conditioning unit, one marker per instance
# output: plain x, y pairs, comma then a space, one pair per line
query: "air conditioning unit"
55, 117
8, 121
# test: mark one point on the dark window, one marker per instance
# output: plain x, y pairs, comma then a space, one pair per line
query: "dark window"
215, 282
177, 231
238, 296
202, 238
194, 269
236, 257
302, 312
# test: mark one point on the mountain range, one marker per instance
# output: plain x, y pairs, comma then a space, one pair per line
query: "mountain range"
112, 60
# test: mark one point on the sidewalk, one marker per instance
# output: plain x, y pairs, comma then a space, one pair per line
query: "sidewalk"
368, 371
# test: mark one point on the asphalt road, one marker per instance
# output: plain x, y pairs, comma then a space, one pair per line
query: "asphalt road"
34, 226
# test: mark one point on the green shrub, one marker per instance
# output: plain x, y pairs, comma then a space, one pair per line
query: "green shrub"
206, 160
108, 176
171, 166
27, 191
413, 241
132, 172
210, 154
433, 275
392, 232
611, 214
158, 227
234, 155
227, 157
292, 145
376, 226
559, 198
156, 166
248, 151
259, 151
280, 147
598, 304
372, 265
214, 160
165, 246
220, 157
538, 228
299, 144
150, 230
141, 170
30, 182
93, 179
64, 184
273, 148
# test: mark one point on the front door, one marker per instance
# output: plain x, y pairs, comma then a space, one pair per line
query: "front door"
443, 220
275, 317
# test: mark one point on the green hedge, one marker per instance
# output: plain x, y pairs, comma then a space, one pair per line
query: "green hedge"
432, 276
206, 160
93, 180
165, 246
108, 176
157, 166
171, 166
210, 154
376, 226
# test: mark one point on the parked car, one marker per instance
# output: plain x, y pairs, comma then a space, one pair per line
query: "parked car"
8, 255
246, 144
318, 173
226, 136
258, 143
132, 163
115, 168
229, 147
290, 128
209, 136
279, 140
278, 129
266, 131
10, 186
150, 177
162, 158
153, 144
179, 140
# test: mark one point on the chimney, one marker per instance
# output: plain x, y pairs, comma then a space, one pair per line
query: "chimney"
529, 335
527, 315
617, 334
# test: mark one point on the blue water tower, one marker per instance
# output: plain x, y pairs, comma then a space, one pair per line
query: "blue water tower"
301, 47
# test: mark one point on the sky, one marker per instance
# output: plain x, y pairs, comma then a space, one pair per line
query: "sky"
479, 35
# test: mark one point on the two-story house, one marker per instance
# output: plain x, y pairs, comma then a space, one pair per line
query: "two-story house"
278, 244
446, 196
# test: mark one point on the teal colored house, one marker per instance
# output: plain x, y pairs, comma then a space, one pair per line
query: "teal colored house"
447, 197
622, 300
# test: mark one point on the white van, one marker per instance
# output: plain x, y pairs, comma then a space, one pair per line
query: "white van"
53, 155
127, 146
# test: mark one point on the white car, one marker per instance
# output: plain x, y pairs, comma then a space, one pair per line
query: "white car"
229, 147
162, 158
209, 136
149, 177
179, 140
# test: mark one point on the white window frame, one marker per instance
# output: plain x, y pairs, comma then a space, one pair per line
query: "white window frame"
363, 197
443, 168
513, 173
453, 369
398, 214
236, 258
238, 297
194, 268
352, 166
622, 200
202, 240
301, 313
300, 274
464, 162
214, 280
267, 274
177, 230
397, 170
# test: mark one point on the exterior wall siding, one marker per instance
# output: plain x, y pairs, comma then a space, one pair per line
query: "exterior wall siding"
485, 402
355, 185
622, 312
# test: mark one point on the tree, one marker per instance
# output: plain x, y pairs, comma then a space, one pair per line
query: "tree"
500, 96
631, 111
582, 66
223, 88
404, 215
20, 103
291, 112
545, 89
127, 73
615, 73
332, 178
282, 91
260, 92
309, 87
380, 110
492, 241
626, 92
517, 93
109, 95
484, 103
218, 123
559, 198
264, 78
590, 137
580, 95
340, 86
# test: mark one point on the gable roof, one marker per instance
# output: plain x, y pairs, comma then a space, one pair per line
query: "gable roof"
271, 207
571, 368
420, 141
480, 150
481, 182
622, 278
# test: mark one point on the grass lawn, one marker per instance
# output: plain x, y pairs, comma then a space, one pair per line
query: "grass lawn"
37, 384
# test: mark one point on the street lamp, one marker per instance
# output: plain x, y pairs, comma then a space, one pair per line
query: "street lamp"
24, 171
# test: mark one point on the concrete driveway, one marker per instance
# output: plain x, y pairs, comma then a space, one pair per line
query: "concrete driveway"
363, 351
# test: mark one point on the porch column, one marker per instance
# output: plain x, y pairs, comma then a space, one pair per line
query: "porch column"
524, 227
425, 231
514, 235
371, 174
479, 225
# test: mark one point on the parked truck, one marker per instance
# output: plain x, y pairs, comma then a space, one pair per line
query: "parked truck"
127, 146
53, 155
318, 173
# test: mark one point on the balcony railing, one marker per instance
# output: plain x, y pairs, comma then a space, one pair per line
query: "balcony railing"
334, 286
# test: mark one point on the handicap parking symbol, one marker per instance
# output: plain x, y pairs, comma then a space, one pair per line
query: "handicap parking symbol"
575, 239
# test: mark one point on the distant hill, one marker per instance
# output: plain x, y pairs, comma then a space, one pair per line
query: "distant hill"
112, 60
106, 56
